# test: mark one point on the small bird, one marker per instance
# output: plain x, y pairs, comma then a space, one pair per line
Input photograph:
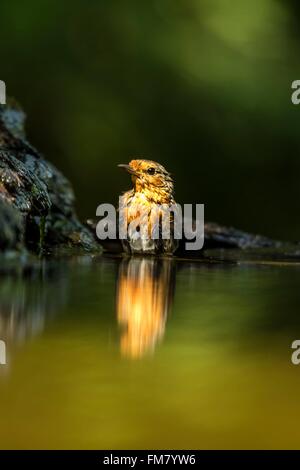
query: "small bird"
142, 209
153, 188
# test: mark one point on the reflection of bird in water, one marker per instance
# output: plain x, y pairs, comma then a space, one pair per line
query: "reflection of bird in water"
144, 295
145, 206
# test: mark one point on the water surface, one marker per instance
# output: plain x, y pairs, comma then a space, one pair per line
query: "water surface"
141, 353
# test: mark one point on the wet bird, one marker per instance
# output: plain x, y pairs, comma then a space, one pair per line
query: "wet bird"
153, 188
144, 209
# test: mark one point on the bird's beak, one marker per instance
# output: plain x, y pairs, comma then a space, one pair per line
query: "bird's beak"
128, 169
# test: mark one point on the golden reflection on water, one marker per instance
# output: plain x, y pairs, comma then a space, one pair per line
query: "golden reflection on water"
145, 292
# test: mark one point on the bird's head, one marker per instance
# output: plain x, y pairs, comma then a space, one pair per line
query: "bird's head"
150, 178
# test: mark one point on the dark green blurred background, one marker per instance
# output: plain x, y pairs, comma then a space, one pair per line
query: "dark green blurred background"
202, 86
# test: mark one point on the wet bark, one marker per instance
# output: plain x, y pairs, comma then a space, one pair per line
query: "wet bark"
36, 200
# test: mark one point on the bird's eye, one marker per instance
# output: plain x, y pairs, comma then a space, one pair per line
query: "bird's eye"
151, 171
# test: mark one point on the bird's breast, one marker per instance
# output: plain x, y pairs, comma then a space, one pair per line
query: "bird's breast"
142, 219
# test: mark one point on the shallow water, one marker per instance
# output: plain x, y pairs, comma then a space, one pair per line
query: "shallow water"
115, 353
